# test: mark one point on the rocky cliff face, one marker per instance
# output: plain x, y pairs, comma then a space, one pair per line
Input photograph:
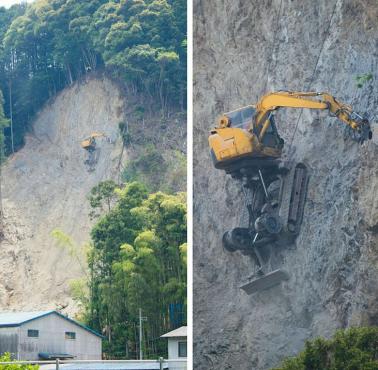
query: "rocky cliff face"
45, 185
243, 50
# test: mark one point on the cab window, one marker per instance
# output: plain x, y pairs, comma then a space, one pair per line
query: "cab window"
241, 118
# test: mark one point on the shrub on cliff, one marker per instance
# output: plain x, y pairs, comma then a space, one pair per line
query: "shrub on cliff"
350, 349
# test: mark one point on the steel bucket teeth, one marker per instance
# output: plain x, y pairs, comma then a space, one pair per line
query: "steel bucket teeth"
265, 281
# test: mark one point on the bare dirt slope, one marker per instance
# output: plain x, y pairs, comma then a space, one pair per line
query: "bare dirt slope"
244, 49
45, 186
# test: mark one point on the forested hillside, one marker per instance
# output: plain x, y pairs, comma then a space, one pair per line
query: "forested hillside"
48, 44
112, 239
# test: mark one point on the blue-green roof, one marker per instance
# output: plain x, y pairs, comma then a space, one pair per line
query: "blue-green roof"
11, 319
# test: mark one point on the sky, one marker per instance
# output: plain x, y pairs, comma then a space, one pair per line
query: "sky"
8, 3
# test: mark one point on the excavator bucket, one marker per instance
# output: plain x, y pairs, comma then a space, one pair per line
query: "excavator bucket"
265, 281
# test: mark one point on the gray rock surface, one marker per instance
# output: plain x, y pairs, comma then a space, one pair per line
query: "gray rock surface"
243, 49
45, 186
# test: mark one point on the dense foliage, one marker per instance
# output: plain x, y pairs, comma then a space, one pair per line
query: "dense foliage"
48, 44
6, 357
138, 260
351, 349
152, 169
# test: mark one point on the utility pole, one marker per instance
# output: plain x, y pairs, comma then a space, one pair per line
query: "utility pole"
141, 319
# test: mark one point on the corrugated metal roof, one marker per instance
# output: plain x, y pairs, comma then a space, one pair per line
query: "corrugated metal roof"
9, 319
179, 332
18, 318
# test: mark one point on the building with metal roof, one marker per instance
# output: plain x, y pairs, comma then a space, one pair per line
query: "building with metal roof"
47, 335
177, 346
177, 333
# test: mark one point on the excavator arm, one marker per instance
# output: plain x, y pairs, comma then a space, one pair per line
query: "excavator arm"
97, 134
310, 100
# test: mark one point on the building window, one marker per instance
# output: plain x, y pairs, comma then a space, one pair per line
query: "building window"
32, 333
182, 349
70, 335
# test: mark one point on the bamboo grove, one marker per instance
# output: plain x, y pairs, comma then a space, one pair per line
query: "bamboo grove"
137, 259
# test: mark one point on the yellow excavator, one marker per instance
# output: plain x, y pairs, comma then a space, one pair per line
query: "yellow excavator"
89, 144
246, 144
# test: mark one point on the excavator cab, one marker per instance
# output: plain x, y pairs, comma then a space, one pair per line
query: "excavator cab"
271, 138
89, 144
235, 143
244, 118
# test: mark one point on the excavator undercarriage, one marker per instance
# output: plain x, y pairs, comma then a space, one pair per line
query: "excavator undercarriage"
92, 158
275, 198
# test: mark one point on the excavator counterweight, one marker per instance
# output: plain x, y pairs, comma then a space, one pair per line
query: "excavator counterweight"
247, 145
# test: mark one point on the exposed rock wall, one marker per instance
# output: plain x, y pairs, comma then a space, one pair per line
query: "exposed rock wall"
45, 186
244, 49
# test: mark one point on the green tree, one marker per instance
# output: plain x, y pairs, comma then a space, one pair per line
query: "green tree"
138, 260
350, 349
102, 197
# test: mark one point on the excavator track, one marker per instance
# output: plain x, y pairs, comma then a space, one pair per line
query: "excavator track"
293, 197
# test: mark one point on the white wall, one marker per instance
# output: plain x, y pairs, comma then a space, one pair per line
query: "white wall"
173, 347
52, 328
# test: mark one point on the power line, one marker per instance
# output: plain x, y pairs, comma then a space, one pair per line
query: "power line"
313, 73
273, 46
